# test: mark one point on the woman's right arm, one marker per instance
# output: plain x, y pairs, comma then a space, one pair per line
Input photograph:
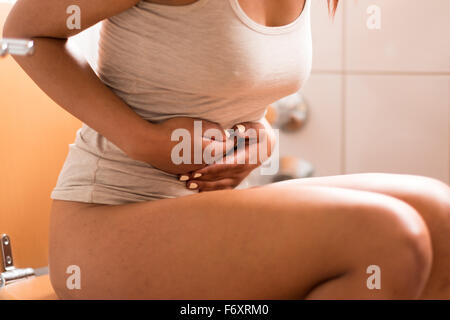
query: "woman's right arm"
69, 80
66, 77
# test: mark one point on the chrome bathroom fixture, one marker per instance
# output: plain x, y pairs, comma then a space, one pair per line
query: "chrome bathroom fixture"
293, 168
290, 113
20, 47
10, 273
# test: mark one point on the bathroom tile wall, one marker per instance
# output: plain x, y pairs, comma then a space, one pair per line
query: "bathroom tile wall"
379, 98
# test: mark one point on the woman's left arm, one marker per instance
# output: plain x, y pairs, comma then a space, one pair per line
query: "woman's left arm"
257, 143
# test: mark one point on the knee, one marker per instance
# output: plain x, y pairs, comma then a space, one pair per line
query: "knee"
428, 195
433, 194
405, 244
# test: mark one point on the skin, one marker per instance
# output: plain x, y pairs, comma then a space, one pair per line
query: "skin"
299, 239
235, 166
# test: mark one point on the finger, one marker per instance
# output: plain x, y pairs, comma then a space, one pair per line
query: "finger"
244, 156
192, 185
253, 125
213, 151
242, 161
215, 172
227, 183
238, 131
248, 131
241, 155
227, 159
209, 151
189, 176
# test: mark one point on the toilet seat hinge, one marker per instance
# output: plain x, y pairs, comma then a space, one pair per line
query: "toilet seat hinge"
10, 272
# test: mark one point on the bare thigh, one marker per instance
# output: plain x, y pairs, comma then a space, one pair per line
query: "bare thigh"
415, 189
431, 199
261, 243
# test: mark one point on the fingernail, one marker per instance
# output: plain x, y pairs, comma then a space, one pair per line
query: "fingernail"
184, 178
240, 128
197, 175
193, 185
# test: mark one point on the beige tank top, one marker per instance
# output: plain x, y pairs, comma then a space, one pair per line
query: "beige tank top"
205, 60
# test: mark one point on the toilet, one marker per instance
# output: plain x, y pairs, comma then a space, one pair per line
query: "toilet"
34, 288
21, 283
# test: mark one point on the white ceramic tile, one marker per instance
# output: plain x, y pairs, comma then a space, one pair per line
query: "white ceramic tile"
414, 36
327, 37
320, 140
398, 124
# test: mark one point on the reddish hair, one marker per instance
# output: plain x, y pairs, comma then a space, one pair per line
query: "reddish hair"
332, 6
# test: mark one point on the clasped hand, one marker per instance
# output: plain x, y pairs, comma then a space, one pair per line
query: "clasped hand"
224, 157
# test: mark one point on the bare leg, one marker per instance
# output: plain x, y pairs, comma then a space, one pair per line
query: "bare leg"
430, 197
260, 243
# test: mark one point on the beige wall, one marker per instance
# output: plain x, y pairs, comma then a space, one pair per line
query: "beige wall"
379, 98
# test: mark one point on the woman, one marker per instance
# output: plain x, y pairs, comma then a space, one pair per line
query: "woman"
141, 226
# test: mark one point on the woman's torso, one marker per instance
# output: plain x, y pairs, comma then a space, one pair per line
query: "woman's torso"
206, 60
201, 60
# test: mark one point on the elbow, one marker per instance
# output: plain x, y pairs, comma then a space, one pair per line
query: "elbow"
16, 27
22, 22
11, 29
17, 23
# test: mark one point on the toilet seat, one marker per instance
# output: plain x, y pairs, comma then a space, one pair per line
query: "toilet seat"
34, 288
